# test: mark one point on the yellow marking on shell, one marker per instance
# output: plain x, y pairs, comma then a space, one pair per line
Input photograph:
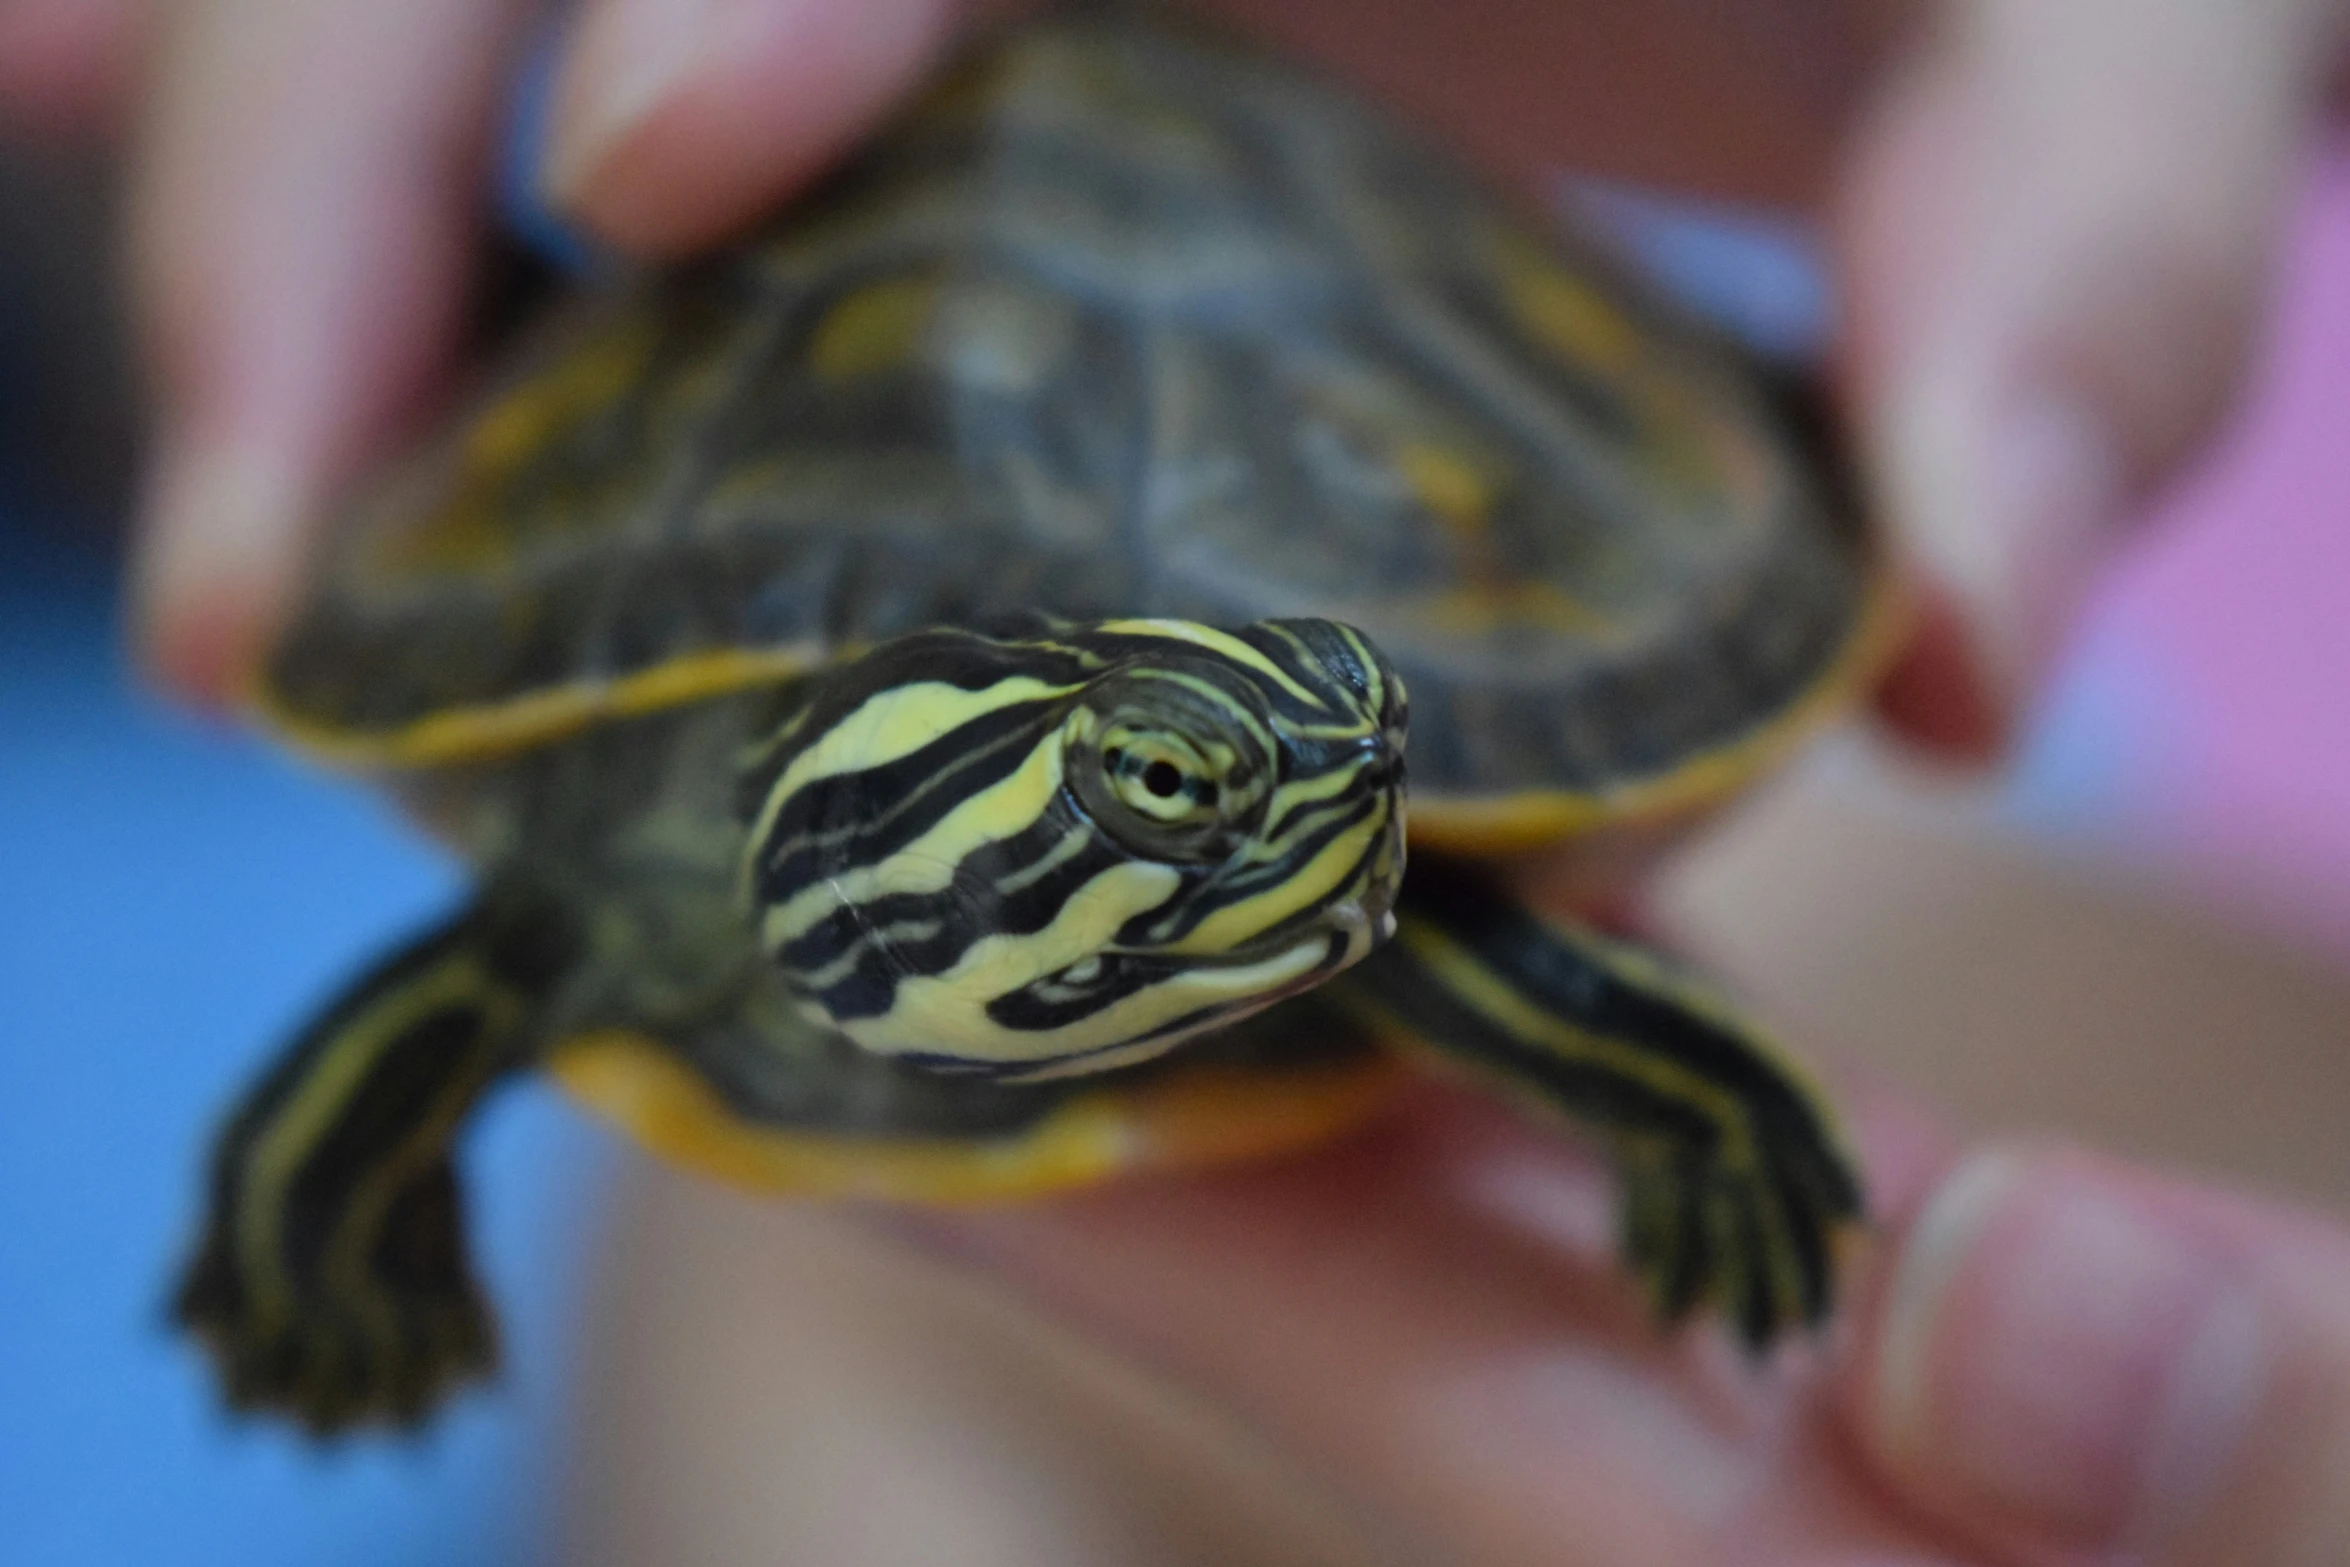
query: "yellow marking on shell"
1509, 824
874, 329
462, 536
1485, 607
1565, 311
323, 1093
465, 532
1206, 1116
535, 717
517, 426
1447, 486
963, 92
1688, 442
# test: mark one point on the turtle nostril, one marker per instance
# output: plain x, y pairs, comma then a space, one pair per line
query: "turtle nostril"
1384, 766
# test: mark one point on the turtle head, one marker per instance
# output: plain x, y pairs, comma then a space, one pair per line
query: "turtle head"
1069, 849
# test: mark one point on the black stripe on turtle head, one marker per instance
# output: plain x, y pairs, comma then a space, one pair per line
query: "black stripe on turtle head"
961, 835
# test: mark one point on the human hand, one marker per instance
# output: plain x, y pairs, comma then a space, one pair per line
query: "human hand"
2051, 1357
306, 205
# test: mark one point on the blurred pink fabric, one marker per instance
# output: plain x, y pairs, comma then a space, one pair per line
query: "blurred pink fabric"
2203, 720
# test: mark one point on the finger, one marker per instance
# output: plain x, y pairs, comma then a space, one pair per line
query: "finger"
1430, 1320
66, 65
676, 123
1934, 694
2057, 237
2075, 1356
302, 219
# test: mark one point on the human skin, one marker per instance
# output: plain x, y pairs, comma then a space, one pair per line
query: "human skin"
2053, 217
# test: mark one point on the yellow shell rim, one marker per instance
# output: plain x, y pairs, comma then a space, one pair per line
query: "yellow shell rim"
1488, 826
1515, 823
1191, 1119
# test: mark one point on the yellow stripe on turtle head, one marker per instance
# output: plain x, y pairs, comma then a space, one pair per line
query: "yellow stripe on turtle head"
1068, 853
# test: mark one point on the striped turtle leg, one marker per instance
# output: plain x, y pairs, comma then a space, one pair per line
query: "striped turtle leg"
331, 1281
1734, 1182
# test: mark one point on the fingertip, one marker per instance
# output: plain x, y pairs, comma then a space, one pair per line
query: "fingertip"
66, 65
1967, 484
2056, 237
219, 548
674, 126
2063, 1355
303, 213
200, 648
1938, 696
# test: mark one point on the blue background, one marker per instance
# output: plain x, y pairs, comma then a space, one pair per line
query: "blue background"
174, 897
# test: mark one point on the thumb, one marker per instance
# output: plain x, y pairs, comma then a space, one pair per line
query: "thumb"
2057, 237
2074, 1356
677, 124
66, 65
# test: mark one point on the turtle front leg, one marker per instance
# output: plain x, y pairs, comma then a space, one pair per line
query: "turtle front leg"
1735, 1182
331, 1282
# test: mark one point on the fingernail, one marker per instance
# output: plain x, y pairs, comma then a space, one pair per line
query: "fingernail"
219, 551
2060, 1362
625, 60
2005, 497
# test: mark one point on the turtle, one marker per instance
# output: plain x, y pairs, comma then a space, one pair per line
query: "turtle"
938, 697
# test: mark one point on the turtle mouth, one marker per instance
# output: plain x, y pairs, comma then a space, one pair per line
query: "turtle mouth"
1227, 986
1291, 964
1365, 920
1348, 929
1343, 933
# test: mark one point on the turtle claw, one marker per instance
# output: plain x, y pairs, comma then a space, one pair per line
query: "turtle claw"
333, 1366
1761, 1250
381, 1345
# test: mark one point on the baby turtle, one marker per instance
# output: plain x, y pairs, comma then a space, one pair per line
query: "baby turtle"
815, 652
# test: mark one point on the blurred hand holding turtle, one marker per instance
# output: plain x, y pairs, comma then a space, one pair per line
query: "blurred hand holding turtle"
2051, 273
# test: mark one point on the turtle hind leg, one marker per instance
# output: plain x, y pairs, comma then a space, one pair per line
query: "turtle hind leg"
331, 1282
1735, 1185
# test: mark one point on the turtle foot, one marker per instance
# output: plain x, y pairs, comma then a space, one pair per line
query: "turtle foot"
1763, 1251
340, 1347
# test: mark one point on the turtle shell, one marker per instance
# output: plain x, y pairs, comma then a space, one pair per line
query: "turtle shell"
1113, 321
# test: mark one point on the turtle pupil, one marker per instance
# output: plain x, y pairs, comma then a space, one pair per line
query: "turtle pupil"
1162, 779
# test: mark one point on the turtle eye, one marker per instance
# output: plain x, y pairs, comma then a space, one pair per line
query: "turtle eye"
1164, 787
1162, 778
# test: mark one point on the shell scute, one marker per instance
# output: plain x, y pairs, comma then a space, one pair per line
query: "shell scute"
1114, 322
